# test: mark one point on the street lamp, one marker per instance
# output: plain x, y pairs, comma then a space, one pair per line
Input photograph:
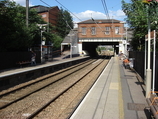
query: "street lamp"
154, 53
27, 16
42, 28
148, 70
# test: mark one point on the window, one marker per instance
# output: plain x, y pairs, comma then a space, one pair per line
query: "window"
93, 30
83, 30
117, 30
107, 30
44, 15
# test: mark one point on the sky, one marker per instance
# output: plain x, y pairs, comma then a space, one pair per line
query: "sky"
83, 9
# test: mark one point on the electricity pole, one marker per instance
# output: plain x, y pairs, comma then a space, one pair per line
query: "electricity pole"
27, 12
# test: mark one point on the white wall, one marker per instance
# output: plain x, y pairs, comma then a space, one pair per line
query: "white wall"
80, 48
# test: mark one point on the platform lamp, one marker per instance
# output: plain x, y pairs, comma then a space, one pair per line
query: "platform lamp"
42, 29
148, 70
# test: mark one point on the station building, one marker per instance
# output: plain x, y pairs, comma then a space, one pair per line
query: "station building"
92, 33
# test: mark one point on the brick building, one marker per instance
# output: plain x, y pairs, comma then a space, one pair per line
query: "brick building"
102, 31
49, 14
93, 33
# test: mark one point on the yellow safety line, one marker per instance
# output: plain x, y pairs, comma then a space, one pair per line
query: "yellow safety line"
121, 108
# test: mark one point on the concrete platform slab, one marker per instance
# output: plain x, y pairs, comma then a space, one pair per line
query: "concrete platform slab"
112, 94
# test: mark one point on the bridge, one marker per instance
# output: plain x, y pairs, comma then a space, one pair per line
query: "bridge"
91, 34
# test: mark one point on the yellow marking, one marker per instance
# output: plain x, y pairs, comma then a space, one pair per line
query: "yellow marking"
121, 111
114, 86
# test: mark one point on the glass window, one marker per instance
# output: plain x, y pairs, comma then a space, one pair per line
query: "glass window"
107, 30
44, 15
83, 30
93, 30
117, 30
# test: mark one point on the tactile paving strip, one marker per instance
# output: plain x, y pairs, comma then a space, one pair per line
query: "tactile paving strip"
136, 106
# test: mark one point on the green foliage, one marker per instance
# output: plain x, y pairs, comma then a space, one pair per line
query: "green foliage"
137, 19
10, 26
15, 35
103, 48
98, 49
64, 24
57, 41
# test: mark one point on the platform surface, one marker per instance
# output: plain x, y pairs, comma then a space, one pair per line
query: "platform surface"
57, 60
117, 94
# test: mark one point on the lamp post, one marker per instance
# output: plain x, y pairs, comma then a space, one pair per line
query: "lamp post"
154, 43
41, 45
70, 46
42, 30
148, 70
27, 16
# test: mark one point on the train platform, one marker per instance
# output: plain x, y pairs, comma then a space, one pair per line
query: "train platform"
117, 94
56, 60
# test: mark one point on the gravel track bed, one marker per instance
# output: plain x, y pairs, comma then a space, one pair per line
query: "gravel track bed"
38, 85
23, 108
42, 77
65, 105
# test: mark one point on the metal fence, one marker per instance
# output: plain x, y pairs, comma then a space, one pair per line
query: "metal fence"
139, 65
10, 59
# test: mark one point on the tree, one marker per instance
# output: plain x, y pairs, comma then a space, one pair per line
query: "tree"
15, 35
137, 18
64, 24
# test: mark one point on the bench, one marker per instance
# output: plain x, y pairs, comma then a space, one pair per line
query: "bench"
23, 63
126, 65
153, 104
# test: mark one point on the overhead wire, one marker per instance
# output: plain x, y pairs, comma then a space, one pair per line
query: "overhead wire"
74, 14
105, 9
45, 3
106, 13
97, 24
62, 15
104, 5
68, 10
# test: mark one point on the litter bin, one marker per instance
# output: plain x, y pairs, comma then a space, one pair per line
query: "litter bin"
131, 64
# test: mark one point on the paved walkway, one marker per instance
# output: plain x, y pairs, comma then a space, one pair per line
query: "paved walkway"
118, 94
56, 60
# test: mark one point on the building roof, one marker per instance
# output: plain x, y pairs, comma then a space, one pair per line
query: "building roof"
92, 21
72, 33
41, 8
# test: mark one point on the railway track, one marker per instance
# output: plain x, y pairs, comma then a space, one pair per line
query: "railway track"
19, 93
30, 100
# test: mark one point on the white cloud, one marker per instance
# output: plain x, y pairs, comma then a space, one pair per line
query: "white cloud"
22, 2
87, 15
119, 15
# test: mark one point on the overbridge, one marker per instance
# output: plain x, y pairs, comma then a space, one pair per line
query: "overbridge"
90, 45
